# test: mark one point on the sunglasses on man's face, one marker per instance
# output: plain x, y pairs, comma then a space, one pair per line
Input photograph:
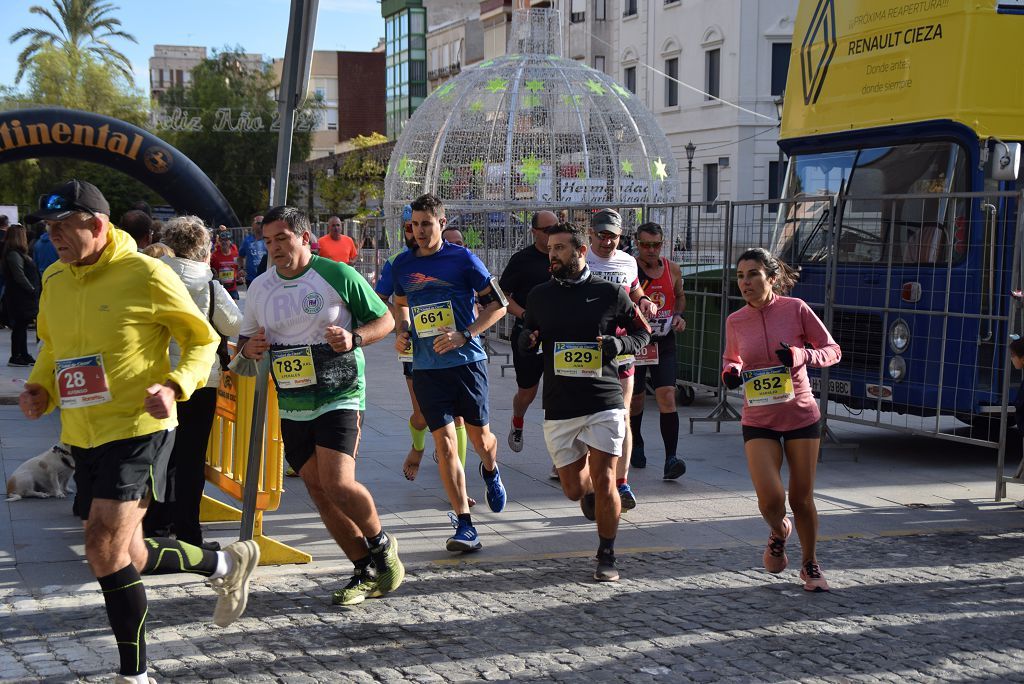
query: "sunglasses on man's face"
648, 245
604, 235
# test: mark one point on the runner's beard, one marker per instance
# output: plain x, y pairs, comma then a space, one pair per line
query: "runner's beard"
410, 242
569, 271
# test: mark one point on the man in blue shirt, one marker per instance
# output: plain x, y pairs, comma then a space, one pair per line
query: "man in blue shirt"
436, 287
44, 253
253, 250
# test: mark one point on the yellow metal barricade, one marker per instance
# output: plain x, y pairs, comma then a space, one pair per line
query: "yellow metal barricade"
226, 456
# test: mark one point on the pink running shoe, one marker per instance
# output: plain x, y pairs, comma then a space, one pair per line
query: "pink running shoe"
813, 578
775, 560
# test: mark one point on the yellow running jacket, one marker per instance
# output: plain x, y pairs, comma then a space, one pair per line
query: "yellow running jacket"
124, 308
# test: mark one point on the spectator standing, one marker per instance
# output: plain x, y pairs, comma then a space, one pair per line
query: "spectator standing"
337, 246
139, 225
21, 296
44, 252
253, 250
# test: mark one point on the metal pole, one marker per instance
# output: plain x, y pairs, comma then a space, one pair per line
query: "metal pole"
689, 199
294, 77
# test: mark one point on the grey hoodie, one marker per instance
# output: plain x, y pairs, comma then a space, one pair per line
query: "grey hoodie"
227, 319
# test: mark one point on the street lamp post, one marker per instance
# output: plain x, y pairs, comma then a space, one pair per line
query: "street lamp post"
779, 101
690, 149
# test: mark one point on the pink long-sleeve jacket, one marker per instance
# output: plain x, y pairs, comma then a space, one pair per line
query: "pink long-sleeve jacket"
751, 338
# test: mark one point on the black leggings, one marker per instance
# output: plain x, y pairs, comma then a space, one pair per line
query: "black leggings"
19, 337
186, 471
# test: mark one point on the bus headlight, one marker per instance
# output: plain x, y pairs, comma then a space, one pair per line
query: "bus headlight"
899, 336
897, 368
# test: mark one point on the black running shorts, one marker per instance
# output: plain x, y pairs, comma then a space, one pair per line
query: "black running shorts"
122, 470
335, 430
812, 431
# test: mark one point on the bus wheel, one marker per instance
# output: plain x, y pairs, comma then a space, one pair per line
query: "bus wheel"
685, 395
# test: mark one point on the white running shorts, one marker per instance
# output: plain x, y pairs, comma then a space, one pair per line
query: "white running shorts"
568, 440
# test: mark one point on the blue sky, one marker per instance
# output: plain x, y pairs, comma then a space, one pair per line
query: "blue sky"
257, 25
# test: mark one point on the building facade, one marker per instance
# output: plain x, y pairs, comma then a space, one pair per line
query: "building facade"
354, 108
454, 45
405, 45
172, 65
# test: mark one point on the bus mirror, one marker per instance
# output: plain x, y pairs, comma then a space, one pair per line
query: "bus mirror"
1005, 161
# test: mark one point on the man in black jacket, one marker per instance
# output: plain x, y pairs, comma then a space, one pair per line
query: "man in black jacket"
574, 317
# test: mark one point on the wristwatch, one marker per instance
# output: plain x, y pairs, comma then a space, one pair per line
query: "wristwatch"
357, 340
468, 335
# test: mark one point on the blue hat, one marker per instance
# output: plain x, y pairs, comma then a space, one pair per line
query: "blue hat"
407, 213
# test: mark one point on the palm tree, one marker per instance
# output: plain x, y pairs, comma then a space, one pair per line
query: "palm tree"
83, 26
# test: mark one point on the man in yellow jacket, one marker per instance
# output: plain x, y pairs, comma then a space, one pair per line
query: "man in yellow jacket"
106, 316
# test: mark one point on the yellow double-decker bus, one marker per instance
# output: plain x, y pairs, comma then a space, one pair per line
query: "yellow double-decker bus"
908, 114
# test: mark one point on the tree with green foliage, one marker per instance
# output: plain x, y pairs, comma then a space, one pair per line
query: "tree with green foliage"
237, 146
359, 179
80, 29
57, 78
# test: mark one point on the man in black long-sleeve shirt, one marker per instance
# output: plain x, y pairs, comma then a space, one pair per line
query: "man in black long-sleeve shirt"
575, 317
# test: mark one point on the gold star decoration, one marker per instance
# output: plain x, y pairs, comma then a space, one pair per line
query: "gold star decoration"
530, 169
595, 86
659, 169
497, 85
627, 167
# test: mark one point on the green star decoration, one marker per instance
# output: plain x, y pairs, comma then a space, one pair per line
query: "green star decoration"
535, 86
477, 106
530, 169
444, 91
570, 100
477, 165
497, 85
530, 101
405, 168
472, 238
627, 167
595, 86
484, 65
621, 91
582, 173
446, 176
659, 169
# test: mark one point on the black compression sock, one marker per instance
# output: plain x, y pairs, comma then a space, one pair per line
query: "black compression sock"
606, 546
669, 433
466, 518
362, 565
168, 556
125, 598
634, 426
377, 540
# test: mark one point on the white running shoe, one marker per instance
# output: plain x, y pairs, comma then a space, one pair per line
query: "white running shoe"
233, 588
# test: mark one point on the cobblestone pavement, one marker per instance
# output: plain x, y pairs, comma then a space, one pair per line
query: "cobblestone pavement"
942, 607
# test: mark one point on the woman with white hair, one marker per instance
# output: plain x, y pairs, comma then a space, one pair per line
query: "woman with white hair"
189, 237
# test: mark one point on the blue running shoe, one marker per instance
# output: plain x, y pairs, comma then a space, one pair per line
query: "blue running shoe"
495, 491
465, 539
626, 497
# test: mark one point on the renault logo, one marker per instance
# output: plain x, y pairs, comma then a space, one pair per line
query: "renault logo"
817, 50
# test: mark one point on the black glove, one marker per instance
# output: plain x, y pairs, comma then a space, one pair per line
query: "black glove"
524, 341
611, 346
785, 354
731, 378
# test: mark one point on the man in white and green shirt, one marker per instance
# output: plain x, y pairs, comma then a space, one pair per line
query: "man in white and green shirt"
312, 315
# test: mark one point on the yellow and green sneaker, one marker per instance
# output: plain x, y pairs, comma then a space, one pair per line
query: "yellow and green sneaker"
390, 571
361, 585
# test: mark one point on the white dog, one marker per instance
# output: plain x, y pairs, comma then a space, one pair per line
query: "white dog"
48, 474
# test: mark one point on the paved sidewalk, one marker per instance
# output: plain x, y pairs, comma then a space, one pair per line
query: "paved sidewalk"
927, 571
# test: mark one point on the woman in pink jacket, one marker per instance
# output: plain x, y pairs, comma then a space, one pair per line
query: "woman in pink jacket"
769, 344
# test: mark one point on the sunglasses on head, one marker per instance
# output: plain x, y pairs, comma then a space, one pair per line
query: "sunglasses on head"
56, 202
648, 244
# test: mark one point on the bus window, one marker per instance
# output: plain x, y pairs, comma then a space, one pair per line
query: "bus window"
875, 225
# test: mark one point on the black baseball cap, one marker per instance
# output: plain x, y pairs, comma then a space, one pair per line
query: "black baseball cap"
606, 220
67, 198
